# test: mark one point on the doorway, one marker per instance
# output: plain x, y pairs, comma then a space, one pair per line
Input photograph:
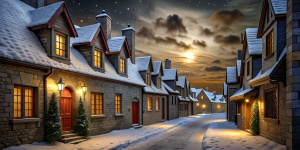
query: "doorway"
66, 109
248, 107
163, 109
135, 113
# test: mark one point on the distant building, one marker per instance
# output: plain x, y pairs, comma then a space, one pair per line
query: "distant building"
210, 102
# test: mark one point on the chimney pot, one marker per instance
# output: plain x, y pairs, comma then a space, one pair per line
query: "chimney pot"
128, 25
103, 11
167, 64
105, 22
130, 37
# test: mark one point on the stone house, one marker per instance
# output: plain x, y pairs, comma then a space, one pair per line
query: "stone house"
194, 101
250, 67
154, 94
184, 101
210, 102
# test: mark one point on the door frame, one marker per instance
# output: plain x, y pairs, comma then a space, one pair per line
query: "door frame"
136, 100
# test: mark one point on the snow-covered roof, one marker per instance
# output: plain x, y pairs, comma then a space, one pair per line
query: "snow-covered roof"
198, 91
225, 88
42, 15
169, 89
231, 75
193, 90
169, 74
24, 46
254, 43
181, 81
193, 99
155, 90
240, 94
115, 44
85, 34
279, 6
143, 63
129, 28
187, 83
103, 15
214, 98
156, 67
238, 66
183, 99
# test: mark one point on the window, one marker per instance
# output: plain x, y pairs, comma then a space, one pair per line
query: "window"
269, 44
271, 104
148, 79
60, 45
97, 104
118, 104
157, 103
158, 82
172, 100
98, 58
248, 68
149, 103
201, 97
239, 108
122, 65
23, 98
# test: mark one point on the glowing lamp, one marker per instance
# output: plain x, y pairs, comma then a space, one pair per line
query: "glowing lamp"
84, 89
197, 104
218, 106
247, 100
203, 106
60, 85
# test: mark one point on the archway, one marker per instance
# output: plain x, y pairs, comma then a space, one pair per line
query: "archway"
135, 111
66, 109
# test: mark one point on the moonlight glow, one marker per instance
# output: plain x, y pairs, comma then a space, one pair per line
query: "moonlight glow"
189, 55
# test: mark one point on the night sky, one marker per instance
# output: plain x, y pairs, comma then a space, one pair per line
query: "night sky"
200, 37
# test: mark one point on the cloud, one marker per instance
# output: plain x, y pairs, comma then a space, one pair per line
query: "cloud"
192, 20
216, 61
206, 31
186, 74
173, 23
214, 30
228, 17
227, 40
142, 53
214, 68
200, 43
149, 34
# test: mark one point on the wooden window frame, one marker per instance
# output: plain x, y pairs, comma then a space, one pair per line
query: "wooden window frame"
157, 103
248, 67
271, 88
239, 108
94, 102
98, 50
149, 104
269, 45
23, 102
64, 51
122, 66
118, 106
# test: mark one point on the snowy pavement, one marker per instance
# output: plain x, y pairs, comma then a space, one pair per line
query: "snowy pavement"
116, 139
226, 136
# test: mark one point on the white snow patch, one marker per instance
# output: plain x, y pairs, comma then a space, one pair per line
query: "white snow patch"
279, 6
169, 74
115, 44
85, 34
181, 81
143, 63
231, 74
254, 44
156, 67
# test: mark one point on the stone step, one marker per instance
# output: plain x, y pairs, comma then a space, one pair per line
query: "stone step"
67, 135
66, 132
70, 139
77, 141
137, 126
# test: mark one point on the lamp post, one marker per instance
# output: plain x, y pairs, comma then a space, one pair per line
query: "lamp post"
84, 89
60, 85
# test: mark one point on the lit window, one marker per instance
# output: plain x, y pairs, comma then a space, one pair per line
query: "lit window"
269, 44
60, 45
97, 104
149, 103
118, 104
23, 96
157, 103
122, 65
98, 58
201, 97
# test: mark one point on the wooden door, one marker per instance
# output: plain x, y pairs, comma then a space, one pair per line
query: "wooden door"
163, 109
248, 114
135, 112
66, 109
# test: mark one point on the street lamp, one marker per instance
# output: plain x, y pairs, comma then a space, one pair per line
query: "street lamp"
60, 85
84, 89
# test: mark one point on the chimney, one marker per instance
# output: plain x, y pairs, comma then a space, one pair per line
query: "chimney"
129, 33
34, 3
207, 89
214, 92
105, 22
242, 38
167, 64
239, 54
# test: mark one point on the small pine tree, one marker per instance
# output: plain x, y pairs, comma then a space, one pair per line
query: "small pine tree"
82, 123
53, 122
254, 122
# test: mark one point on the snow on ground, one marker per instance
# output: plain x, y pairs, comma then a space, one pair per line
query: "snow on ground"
226, 135
116, 139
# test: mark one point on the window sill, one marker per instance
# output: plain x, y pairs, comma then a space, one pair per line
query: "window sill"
157, 110
97, 116
119, 115
25, 120
149, 110
269, 56
271, 120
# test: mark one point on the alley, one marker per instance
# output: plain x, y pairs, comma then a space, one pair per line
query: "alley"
188, 136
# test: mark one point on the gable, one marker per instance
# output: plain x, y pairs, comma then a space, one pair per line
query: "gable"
98, 43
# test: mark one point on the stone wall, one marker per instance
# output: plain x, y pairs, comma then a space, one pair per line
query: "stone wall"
173, 107
183, 113
205, 101
220, 109
153, 116
231, 105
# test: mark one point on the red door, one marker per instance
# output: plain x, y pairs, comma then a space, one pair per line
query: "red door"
65, 109
163, 109
135, 113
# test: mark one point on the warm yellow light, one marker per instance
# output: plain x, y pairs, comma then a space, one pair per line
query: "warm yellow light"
201, 97
247, 100
203, 106
84, 89
218, 106
189, 55
197, 104
60, 85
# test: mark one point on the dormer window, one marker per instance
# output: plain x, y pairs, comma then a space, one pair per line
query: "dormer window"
269, 44
148, 79
122, 65
98, 58
60, 45
158, 82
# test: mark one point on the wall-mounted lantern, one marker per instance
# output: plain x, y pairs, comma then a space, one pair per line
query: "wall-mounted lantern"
247, 100
197, 104
203, 106
60, 85
218, 106
84, 89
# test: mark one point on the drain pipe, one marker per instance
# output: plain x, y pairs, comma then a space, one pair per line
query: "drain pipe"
143, 106
45, 103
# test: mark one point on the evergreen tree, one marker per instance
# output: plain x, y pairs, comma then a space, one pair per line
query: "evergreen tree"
53, 122
254, 122
82, 123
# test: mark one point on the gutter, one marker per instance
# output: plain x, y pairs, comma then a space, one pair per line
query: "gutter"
45, 103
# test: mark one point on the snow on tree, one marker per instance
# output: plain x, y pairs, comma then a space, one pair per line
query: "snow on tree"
254, 122
53, 122
82, 123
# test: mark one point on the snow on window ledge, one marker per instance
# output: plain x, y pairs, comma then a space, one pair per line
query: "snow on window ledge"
98, 116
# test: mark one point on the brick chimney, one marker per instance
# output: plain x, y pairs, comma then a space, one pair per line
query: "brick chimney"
167, 64
105, 22
129, 32
34, 3
239, 54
